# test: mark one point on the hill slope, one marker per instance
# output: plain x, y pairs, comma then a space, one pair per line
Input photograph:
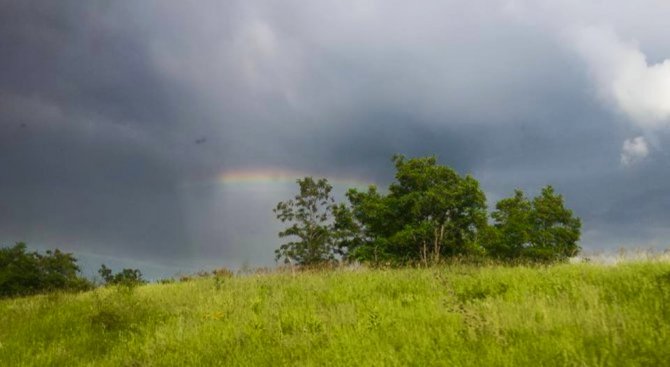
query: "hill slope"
459, 315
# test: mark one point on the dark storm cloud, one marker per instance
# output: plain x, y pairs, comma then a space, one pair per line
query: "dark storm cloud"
115, 118
82, 135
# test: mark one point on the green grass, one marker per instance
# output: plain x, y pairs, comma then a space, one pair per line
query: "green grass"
581, 314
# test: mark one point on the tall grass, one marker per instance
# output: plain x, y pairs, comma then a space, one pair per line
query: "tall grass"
569, 314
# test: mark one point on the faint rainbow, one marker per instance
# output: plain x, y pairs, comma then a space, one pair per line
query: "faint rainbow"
283, 177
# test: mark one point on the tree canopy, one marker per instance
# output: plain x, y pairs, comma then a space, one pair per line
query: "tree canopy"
309, 214
541, 228
25, 273
428, 213
127, 277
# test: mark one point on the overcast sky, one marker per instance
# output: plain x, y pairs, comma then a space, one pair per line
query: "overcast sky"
116, 118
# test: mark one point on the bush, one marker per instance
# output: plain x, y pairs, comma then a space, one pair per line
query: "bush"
541, 229
25, 273
127, 277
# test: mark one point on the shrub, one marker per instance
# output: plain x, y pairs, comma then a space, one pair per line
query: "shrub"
541, 229
25, 273
127, 277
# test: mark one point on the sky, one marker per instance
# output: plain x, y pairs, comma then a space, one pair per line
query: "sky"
160, 134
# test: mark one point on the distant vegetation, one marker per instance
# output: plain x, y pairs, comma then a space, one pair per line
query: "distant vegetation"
429, 213
25, 273
127, 277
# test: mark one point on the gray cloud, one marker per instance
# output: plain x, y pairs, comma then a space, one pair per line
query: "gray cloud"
101, 105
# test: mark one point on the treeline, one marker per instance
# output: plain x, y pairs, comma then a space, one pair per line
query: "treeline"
428, 214
24, 273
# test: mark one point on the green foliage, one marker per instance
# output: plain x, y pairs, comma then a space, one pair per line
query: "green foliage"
512, 228
555, 229
126, 277
25, 273
430, 212
309, 215
458, 315
541, 229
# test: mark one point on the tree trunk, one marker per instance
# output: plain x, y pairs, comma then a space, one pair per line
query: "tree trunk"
424, 254
438, 236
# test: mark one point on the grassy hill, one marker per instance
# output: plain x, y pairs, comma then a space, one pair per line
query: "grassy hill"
582, 314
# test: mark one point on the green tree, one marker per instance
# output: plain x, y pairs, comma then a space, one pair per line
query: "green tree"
128, 277
346, 232
106, 274
556, 229
512, 229
541, 229
24, 273
59, 270
430, 212
311, 227
19, 271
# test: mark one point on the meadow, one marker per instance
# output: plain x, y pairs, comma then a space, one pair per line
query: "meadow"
453, 315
